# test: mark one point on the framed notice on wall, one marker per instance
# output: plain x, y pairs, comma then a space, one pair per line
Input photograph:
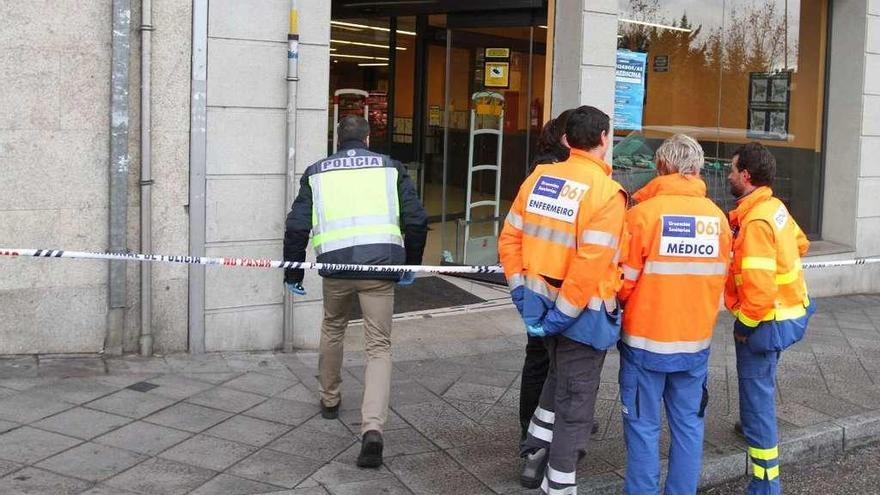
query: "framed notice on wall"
769, 105
497, 75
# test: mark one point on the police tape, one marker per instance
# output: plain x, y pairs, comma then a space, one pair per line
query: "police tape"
246, 262
304, 265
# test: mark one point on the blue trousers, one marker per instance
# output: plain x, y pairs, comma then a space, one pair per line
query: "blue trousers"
685, 395
756, 373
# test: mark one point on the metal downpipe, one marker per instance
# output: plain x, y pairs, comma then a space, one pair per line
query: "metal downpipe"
146, 336
119, 168
292, 83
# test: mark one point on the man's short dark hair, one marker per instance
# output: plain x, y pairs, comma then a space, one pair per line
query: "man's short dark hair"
758, 160
585, 126
353, 128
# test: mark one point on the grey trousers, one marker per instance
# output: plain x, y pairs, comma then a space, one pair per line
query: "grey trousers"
564, 416
377, 304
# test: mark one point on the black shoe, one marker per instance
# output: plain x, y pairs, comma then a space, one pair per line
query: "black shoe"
738, 428
371, 450
533, 470
330, 412
595, 428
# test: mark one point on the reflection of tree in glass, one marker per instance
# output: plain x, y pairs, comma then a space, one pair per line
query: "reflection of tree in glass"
754, 39
707, 63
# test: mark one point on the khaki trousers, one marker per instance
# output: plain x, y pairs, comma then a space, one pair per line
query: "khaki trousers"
377, 304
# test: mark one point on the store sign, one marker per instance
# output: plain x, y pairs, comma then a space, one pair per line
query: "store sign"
497, 75
661, 63
498, 53
629, 90
434, 115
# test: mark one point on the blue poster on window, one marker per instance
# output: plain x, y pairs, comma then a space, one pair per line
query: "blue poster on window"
629, 90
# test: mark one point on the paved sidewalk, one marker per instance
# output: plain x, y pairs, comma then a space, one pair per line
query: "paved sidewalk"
238, 423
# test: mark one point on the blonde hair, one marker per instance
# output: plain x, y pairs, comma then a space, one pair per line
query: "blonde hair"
681, 153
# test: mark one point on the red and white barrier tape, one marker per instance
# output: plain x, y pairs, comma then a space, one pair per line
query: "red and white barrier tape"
265, 263
245, 262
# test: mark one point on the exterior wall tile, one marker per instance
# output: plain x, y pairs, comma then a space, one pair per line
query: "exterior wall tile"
245, 209
246, 141
244, 330
247, 74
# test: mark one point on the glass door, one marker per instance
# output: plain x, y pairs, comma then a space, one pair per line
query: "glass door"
484, 109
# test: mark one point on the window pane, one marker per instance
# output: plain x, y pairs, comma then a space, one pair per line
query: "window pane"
682, 54
772, 92
726, 72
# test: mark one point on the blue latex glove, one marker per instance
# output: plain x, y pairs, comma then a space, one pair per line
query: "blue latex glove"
296, 289
516, 295
536, 330
407, 278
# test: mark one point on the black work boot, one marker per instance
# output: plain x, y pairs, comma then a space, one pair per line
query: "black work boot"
371, 450
328, 412
533, 470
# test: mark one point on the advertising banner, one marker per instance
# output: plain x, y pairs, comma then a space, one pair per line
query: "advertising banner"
629, 90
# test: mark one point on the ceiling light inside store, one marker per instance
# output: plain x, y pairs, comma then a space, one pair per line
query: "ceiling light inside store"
374, 64
543, 27
651, 24
364, 26
362, 57
358, 43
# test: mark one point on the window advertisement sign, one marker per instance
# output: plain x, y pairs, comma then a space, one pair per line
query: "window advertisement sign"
629, 90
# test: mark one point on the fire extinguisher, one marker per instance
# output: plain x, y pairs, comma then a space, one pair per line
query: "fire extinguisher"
536, 112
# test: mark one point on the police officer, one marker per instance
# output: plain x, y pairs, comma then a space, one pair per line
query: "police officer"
674, 275
559, 249
767, 294
354, 204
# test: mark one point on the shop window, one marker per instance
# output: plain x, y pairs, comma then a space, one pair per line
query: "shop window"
725, 72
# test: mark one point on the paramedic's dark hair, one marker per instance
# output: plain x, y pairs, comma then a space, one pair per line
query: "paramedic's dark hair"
758, 160
585, 126
550, 148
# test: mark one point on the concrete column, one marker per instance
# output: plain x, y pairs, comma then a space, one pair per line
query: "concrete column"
246, 164
585, 55
851, 208
868, 212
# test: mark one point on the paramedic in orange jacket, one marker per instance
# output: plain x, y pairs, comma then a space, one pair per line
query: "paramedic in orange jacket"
559, 249
767, 294
674, 273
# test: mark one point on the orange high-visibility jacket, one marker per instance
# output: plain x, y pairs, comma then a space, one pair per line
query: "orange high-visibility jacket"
766, 282
560, 244
674, 273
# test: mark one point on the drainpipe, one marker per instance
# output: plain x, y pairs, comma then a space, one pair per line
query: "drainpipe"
292, 83
119, 163
146, 339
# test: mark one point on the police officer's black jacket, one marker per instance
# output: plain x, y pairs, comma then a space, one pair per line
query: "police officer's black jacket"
414, 227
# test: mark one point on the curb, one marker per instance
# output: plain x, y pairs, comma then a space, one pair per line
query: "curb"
860, 429
809, 443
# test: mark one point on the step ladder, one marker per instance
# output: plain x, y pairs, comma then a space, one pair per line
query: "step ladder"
483, 103
341, 92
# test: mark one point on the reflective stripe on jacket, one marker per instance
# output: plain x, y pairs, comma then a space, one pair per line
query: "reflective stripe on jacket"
561, 243
674, 272
766, 283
